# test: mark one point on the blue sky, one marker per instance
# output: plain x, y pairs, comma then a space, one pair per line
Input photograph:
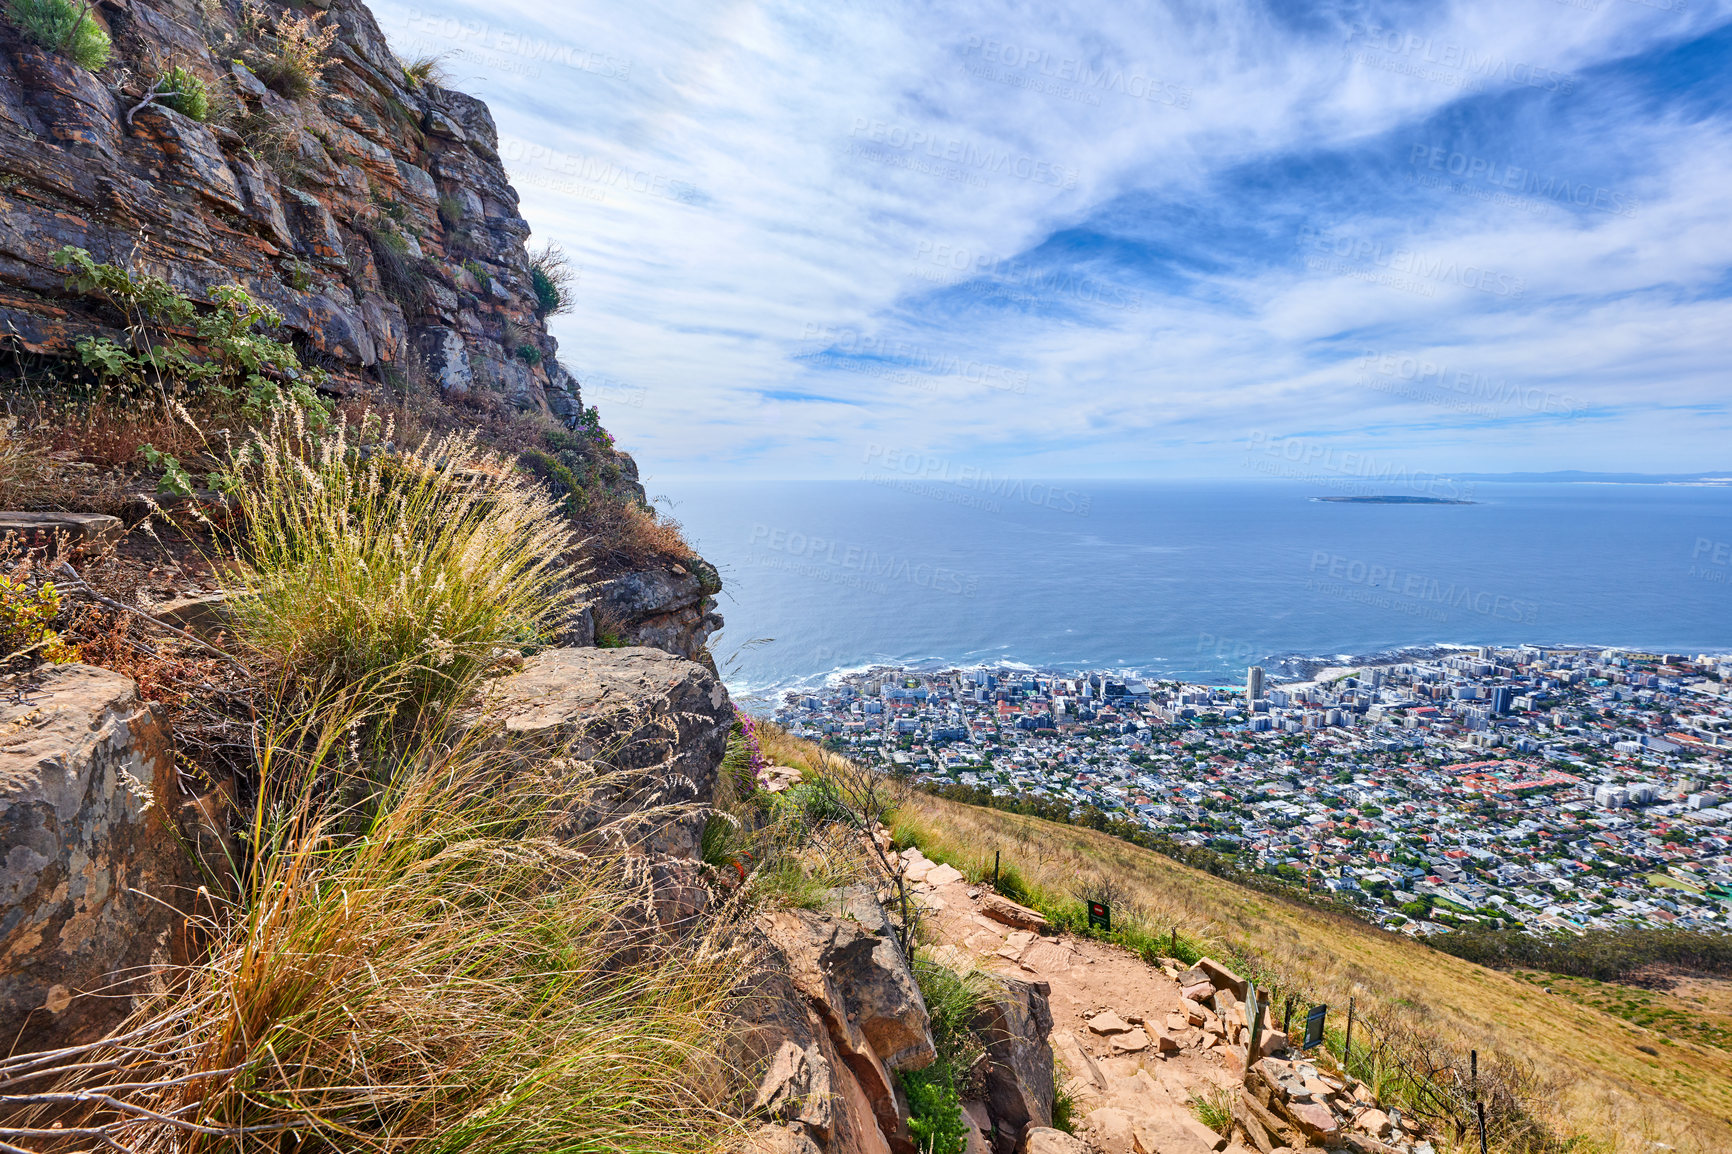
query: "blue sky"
1131, 240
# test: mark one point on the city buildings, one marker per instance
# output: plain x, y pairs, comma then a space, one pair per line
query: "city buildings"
1541, 787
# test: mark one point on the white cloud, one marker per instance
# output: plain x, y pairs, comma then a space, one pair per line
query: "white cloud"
739, 180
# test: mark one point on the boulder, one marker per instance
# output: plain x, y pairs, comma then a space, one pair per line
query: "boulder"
1222, 977
1046, 1140
1002, 909
850, 972
1198, 992
655, 724
93, 874
1015, 1022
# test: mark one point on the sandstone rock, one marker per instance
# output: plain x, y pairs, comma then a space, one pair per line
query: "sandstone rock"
658, 724
93, 874
1002, 909
851, 970
1197, 992
796, 1087
1166, 1044
1111, 1130
1222, 977
1271, 1042
1316, 1120
1374, 1122
1046, 1140
1133, 1042
943, 875
780, 1140
1108, 1023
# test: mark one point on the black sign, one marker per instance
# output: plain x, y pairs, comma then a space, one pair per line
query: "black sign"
1314, 1027
1100, 917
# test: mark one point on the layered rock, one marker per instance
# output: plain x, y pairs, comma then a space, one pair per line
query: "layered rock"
671, 609
654, 724
836, 987
93, 872
374, 213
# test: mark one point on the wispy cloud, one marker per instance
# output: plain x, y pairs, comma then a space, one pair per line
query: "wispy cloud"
1115, 241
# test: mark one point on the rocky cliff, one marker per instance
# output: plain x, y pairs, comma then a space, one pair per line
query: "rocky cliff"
353, 194
369, 208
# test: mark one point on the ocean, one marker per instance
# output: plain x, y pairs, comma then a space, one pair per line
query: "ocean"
1190, 580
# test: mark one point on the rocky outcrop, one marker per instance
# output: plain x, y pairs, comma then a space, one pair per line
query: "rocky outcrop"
374, 212
670, 608
654, 725
1016, 1021
837, 1005
93, 873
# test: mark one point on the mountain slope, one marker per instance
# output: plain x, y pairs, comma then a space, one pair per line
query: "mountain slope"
1604, 1086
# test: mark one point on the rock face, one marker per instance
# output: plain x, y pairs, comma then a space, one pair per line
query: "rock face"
837, 989
1019, 1088
92, 871
671, 609
374, 212
658, 723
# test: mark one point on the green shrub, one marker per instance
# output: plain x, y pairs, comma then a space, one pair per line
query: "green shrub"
230, 359
934, 1111
553, 279
27, 616
185, 93
63, 26
529, 354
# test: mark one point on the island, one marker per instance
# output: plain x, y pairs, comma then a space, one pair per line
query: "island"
1397, 500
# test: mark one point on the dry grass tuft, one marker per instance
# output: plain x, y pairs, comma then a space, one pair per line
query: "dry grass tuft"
436, 974
408, 574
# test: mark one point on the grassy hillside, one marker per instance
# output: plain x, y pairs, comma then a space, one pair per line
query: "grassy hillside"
1595, 1080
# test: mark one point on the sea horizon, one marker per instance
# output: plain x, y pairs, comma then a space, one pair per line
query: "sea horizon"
1194, 580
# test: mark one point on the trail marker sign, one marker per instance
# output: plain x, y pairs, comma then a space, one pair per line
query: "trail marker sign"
1314, 1027
1100, 917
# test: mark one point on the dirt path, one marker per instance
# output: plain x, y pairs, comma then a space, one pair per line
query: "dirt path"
1132, 1052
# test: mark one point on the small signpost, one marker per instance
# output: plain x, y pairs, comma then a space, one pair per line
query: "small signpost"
1100, 917
1314, 1027
1254, 1025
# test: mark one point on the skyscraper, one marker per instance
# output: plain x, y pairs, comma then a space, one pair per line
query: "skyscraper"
1254, 682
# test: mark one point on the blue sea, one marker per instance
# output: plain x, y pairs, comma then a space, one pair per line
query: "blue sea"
1191, 580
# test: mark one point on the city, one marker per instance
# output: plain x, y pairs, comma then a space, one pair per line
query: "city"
1543, 788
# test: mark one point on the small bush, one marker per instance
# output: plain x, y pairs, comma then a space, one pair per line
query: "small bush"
185, 93
529, 354
408, 573
1214, 1110
554, 280
426, 69
442, 976
403, 278
934, 1111
63, 26
292, 52
27, 613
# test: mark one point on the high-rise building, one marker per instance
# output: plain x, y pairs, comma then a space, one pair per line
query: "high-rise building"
1501, 696
1254, 683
